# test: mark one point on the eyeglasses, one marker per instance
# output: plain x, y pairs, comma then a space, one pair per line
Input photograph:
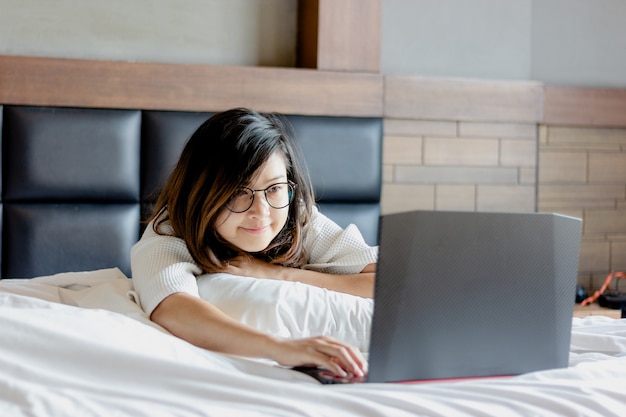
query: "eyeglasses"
277, 195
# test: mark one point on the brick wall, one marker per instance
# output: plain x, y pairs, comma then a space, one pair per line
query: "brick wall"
582, 172
511, 146
460, 145
456, 165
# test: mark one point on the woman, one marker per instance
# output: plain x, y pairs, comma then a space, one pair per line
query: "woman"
239, 201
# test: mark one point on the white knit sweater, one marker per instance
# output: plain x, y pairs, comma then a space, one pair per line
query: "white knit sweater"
162, 265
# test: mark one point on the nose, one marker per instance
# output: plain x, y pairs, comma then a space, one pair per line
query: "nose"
260, 206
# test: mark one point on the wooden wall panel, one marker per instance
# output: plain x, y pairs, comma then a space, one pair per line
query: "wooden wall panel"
111, 84
462, 100
340, 35
308, 33
575, 106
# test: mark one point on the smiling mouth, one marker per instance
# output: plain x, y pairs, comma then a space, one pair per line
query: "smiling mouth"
256, 230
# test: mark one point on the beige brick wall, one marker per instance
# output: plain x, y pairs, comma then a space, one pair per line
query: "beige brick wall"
511, 146
582, 172
458, 165
453, 144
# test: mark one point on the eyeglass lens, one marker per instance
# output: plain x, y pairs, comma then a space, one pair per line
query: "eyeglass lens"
278, 196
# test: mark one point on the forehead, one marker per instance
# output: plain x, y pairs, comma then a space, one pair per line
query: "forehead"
274, 169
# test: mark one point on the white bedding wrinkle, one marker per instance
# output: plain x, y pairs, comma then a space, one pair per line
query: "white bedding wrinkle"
598, 334
123, 367
61, 360
47, 287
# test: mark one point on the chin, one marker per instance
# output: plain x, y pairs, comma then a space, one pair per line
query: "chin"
253, 247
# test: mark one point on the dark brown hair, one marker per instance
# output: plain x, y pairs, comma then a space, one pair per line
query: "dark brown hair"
224, 154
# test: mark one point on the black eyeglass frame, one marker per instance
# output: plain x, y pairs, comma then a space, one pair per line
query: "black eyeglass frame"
291, 193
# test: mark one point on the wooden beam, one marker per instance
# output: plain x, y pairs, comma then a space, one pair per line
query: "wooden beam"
339, 35
308, 30
578, 106
186, 87
463, 99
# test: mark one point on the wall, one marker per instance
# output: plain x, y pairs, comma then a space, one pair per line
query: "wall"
579, 43
460, 145
448, 145
583, 174
572, 42
220, 32
467, 157
564, 42
512, 146
488, 39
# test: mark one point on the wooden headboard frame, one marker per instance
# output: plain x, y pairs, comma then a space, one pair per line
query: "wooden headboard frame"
187, 87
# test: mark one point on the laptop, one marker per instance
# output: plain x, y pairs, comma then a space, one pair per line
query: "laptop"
466, 295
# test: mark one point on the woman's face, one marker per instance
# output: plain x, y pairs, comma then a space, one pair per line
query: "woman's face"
254, 229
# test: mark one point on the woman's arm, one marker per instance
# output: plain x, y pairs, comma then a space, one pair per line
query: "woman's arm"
361, 284
164, 275
203, 325
339, 260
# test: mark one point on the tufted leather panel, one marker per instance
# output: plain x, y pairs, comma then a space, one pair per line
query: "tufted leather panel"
343, 155
364, 215
76, 182
71, 154
52, 238
71, 189
164, 135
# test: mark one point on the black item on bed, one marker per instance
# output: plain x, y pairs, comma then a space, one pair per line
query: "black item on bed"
76, 183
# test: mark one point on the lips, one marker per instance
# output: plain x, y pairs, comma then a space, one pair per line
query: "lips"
256, 230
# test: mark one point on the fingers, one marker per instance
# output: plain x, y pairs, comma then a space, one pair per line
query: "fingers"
338, 358
251, 267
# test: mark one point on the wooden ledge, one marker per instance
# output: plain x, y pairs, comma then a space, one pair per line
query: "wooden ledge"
187, 87
591, 107
423, 98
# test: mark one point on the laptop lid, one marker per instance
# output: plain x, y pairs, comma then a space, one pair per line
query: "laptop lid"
467, 294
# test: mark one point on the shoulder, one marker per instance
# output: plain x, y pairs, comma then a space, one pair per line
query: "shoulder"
320, 222
333, 248
163, 245
161, 265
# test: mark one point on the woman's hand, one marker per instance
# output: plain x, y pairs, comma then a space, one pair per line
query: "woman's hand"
322, 351
202, 324
248, 266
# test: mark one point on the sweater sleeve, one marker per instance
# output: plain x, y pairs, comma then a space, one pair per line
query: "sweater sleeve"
335, 250
161, 265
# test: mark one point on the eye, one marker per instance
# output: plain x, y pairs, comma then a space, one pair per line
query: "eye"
241, 193
275, 188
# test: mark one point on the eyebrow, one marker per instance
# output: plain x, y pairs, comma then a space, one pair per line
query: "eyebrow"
279, 177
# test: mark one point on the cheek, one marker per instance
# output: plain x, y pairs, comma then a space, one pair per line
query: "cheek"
225, 225
282, 219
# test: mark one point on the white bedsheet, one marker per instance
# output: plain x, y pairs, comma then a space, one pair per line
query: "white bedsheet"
102, 357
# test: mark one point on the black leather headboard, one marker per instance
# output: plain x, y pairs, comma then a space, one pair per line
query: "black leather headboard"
76, 183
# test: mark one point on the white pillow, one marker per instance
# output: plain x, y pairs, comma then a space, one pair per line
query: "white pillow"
290, 309
107, 289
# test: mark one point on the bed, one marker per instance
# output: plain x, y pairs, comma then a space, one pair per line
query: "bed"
77, 181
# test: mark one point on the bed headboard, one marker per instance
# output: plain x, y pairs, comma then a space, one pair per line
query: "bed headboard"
77, 182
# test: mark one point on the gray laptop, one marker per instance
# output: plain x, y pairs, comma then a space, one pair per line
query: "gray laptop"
466, 294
